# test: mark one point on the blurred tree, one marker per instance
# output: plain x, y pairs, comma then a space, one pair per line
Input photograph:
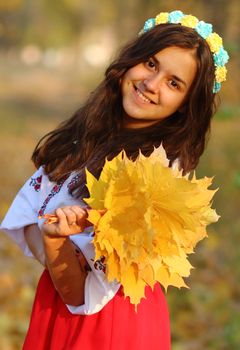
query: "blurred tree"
9, 16
10, 5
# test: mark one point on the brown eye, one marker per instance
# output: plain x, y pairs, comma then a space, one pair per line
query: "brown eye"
174, 84
150, 63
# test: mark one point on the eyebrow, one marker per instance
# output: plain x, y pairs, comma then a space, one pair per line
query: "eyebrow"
173, 75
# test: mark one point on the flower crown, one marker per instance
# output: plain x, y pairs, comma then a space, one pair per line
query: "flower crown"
220, 56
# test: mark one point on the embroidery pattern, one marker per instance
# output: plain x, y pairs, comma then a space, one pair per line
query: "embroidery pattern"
53, 192
36, 183
73, 182
99, 264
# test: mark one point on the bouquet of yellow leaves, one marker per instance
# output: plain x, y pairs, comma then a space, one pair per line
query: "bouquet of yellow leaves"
154, 218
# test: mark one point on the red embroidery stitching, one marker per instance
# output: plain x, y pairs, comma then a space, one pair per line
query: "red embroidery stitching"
73, 182
100, 265
53, 192
36, 183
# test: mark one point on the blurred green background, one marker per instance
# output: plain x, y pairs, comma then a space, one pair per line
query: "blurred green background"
52, 54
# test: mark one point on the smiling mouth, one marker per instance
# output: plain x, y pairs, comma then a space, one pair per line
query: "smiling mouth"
142, 96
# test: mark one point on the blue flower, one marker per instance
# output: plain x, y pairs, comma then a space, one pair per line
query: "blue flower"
175, 16
221, 58
204, 29
149, 24
216, 87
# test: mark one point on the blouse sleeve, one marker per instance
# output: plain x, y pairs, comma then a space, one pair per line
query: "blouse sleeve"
98, 290
23, 211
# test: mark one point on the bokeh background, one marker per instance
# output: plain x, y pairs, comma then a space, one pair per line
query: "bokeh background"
52, 54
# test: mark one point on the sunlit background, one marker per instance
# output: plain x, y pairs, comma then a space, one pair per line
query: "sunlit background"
52, 54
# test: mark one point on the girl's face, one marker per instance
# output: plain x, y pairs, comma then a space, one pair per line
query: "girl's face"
155, 89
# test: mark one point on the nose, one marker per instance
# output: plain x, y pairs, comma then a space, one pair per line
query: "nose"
152, 83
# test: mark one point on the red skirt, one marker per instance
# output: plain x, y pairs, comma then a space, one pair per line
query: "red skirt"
116, 327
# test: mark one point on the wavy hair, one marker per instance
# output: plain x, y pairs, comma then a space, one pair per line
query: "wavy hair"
96, 130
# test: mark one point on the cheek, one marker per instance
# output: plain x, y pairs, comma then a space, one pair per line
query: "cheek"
124, 84
134, 74
172, 99
127, 76
126, 81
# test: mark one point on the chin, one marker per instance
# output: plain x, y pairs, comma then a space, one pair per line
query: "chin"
133, 122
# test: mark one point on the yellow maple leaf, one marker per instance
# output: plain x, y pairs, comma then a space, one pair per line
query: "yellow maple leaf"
132, 285
155, 217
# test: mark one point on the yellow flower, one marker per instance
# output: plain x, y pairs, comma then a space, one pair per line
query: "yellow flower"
189, 21
162, 18
220, 74
214, 41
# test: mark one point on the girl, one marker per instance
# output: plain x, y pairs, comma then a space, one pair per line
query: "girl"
160, 89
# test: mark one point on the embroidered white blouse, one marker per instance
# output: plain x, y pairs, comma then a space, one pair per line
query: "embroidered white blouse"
39, 196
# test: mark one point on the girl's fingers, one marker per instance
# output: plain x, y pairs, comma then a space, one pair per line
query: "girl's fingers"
80, 213
70, 215
66, 221
72, 220
63, 225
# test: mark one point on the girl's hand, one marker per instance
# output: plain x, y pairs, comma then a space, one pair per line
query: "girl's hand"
70, 220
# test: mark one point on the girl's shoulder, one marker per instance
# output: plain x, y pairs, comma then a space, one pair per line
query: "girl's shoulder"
40, 183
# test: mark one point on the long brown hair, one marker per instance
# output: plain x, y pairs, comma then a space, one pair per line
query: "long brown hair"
96, 130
